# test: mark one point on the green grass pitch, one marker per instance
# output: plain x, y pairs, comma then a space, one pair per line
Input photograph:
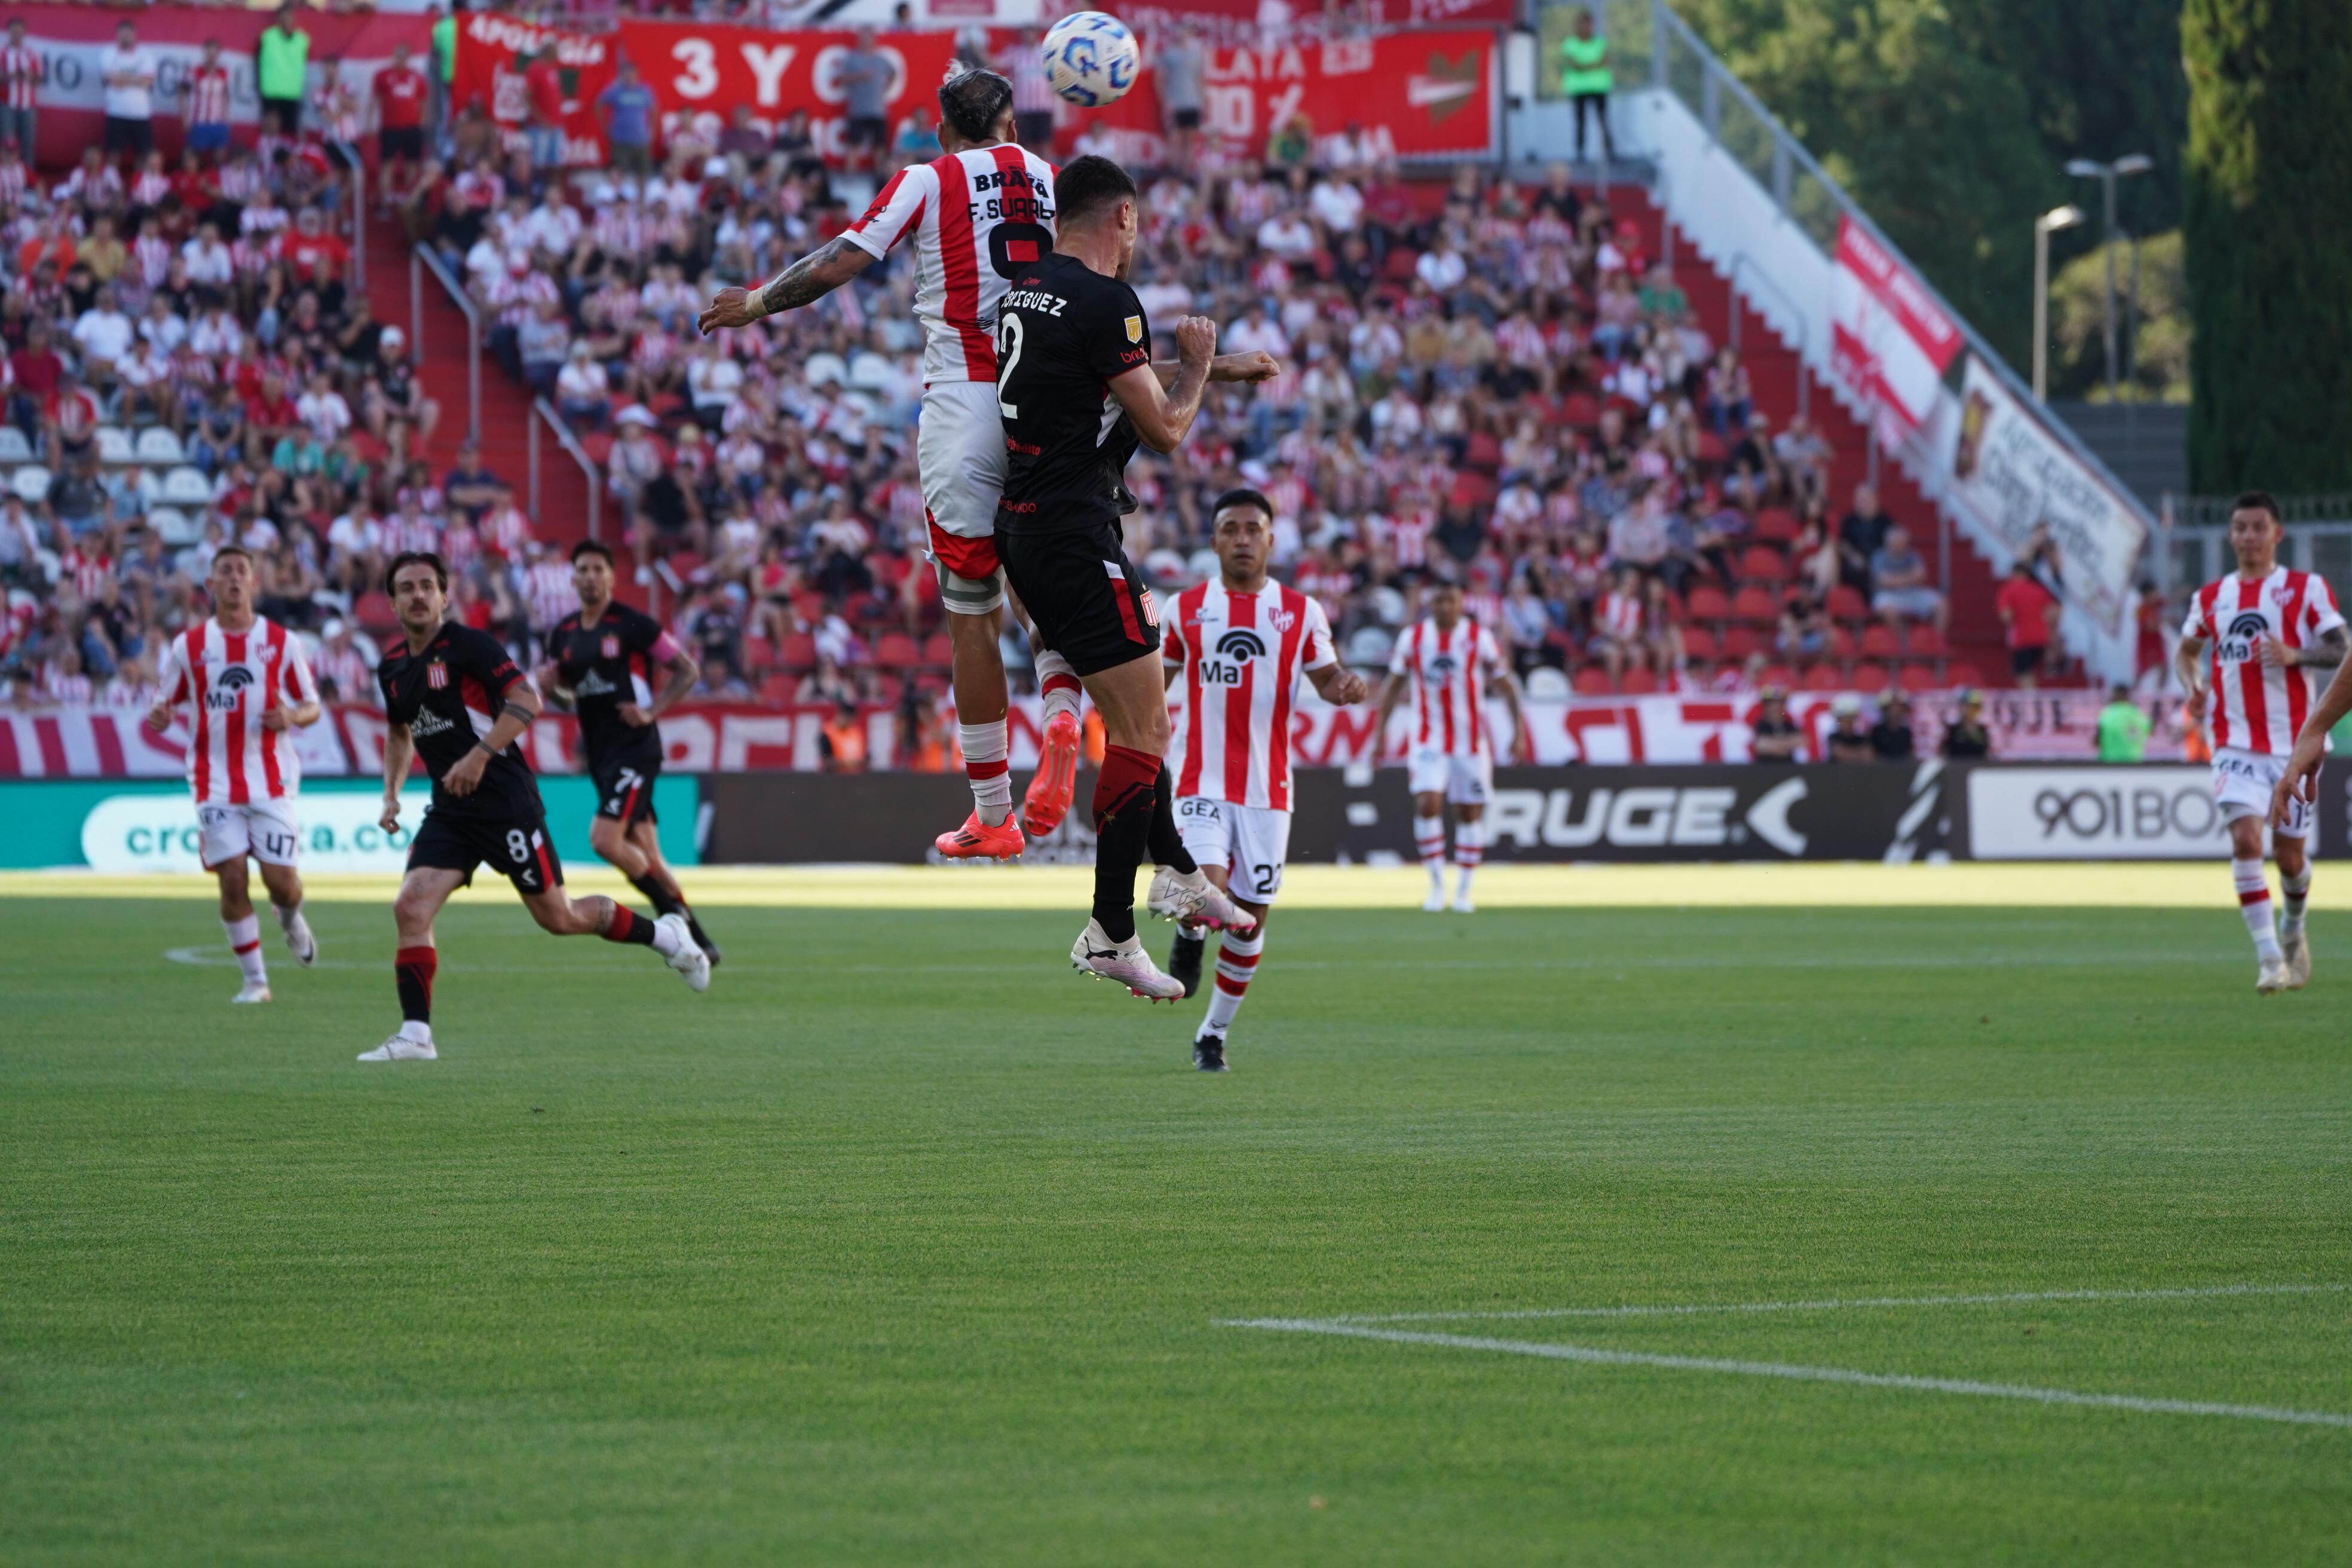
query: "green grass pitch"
903, 1245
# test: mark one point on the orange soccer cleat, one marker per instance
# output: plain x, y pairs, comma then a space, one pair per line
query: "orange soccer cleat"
1048, 800
977, 841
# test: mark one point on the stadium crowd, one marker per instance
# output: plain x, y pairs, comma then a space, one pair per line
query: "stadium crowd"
1488, 381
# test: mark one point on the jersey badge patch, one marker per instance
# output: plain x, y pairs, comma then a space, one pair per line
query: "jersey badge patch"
612, 648
436, 676
1281, 620
1135, 328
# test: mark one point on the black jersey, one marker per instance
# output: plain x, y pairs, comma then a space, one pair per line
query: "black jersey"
604, 665
449, 696
1063, 333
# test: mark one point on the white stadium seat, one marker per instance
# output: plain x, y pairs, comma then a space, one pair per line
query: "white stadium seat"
185, 486
173, 526
32, 483
13, 447
158, 445
1546, 682
113, 444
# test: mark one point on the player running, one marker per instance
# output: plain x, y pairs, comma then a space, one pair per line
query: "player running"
1078, 390
597, 660
977, 214
2243, 652
1444, 662
246, 685
1241, 643
453, 697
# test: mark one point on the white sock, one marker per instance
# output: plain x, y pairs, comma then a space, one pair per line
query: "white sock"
1057, 683
416, 1029
245, 941
985, 749
1236, 966
667, 941
2255, 903
1429, 843
1469, 849
2296, 891
290, 922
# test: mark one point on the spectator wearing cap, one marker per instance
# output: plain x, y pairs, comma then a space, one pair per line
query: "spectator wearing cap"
1774, 737
1891, 739
1849, 739
1965, 739
2029, 621
1901, 592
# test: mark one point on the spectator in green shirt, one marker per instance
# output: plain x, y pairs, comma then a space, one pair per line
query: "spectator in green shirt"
1586, 81
2122, 727
281, 68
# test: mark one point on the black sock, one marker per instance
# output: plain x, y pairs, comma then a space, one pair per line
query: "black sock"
658, 895
694, 928
627, 925
1124, 803
412, 973
1167, 844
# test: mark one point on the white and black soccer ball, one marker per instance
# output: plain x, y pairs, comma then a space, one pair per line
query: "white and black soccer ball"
1091, 58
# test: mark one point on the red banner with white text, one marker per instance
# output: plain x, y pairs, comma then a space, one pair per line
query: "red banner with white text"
495, 51
702, 72
1890, 341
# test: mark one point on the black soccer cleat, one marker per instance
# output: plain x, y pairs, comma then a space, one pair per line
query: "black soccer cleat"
1209, 1053
702, 940
1184, 960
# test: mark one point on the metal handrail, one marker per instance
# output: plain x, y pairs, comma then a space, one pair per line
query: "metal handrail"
428, 258
1788, 151
359, 212
542, 408
1740, 259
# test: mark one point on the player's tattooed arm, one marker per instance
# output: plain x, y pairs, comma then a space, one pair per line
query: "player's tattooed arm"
1163, 416
810, 278
2325, 654
399, 751
684, 672
1250, 368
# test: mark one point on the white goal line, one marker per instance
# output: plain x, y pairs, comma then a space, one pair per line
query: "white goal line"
1700, 1308
1595, 1356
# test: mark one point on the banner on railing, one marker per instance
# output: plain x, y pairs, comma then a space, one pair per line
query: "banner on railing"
1889, 340
1401, 95
86, 742
2013, 475
69, 40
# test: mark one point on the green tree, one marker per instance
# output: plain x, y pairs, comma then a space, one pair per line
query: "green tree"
2269, 243
2159, 356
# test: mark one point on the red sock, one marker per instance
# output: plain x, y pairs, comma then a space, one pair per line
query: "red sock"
412, 971
1128, 776
628, 926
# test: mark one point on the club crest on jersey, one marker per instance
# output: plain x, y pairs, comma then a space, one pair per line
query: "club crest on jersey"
1150, 609
436, 676
1281, 620
1135, 328
612, 647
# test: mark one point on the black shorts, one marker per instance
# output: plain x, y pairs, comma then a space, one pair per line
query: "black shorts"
407, 141
1186, 119
126, 135
2026, 660
1089, 603
625, 784
516, 843
867, 130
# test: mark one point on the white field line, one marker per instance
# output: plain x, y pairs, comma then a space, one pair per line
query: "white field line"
1801, 1373
1704, 1308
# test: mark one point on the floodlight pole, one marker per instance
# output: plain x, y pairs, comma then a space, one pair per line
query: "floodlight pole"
2044, 227
2106, 174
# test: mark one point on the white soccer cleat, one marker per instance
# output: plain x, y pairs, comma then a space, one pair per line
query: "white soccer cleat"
305, 945
1435, 903
1125, 961
688, 959
1195, 901
255, 991
2273, 978
2296, 949
1462, 904
400, 1048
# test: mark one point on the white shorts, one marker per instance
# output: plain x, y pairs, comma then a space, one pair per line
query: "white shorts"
1250, 841
2244, 783
1464, 780
960, 461
268, 830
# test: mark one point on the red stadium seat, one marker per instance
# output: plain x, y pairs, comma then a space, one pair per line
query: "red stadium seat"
1763, 563
938, 652
1823, 677
1917, 677
1879, 641
1960, 673
1755, 607
1870, 680
1699, 643
896, 651
809, 605
1580, 410
759, 653
798, 653
1482, 451
374, 613
1711, 450
1398, 267
1776, 526
778, 687
1593, 681
1779, 674
1924, 641
1707, 603
1641, 681
1740, 645
1846, 603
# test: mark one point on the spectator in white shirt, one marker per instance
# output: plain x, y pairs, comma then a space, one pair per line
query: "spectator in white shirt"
161, 325
584, 389
1441, 267
1288, 235
128, 72
1338, 205
209, 262
712, 380
217, 334
1254, 333
322, 408
104, 334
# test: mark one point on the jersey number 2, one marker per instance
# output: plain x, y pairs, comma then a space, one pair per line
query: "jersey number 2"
1008, 351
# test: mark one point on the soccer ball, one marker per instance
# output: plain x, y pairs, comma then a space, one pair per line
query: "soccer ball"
1091, 58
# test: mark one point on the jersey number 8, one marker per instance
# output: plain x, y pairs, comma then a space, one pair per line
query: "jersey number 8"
518, 846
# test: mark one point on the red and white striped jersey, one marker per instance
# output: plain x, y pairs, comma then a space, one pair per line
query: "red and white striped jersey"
952, 206
209, 94
229, 679
21, 73
1446, 674
2254, 707
1242, 654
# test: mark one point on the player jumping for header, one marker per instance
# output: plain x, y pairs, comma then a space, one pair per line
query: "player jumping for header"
248, 687
1241, 644
1077, 390
1447, 662
453, 697
597, 660
2248, 639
